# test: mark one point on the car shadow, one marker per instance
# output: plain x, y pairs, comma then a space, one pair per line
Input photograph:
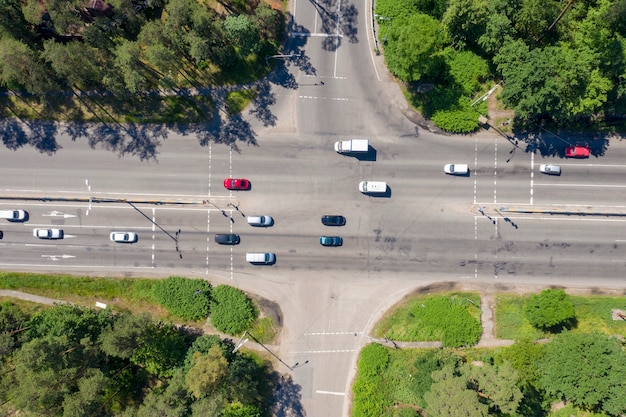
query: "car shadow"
370, 155
386, 194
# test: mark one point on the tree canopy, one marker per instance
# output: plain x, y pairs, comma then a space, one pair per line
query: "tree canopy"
588, 370
550, 310
558, 62
75, 361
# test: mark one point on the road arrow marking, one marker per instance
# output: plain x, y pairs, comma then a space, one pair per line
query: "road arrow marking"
58, 214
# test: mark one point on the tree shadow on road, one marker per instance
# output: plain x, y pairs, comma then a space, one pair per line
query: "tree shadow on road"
287, 396
40, 135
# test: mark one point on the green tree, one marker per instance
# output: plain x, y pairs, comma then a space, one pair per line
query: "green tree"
162, 350
413, 41
77, 63
73, 322
207, 372
554, 82
534, 17
171, 400
495, 385
449, 396
44, 375
12, 21
13, 323
498, 30
232, 311
125, 335
89, 399
128, 61
464, 21
21, 68
243, 34
238, 409
550, 310
588, 370
525, 356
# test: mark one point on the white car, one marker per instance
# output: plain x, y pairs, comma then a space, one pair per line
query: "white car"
550, 169
262, 221
48, 233
124, 237
456, 169
13, 215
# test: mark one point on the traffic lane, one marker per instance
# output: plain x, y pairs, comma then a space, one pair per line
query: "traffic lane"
589, 197
549, 246
179, 167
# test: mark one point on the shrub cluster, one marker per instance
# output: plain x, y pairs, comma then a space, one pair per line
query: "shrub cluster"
369, 396
550, 310
232, 311
184, 297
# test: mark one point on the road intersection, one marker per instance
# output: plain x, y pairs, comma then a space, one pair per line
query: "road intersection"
533, 229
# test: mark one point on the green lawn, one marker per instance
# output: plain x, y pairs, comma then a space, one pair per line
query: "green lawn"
593, 313
452, 318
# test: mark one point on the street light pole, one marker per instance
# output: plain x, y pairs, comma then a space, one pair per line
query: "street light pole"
267, 57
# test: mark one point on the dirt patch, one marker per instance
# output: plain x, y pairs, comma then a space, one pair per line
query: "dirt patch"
498, 116
270, 309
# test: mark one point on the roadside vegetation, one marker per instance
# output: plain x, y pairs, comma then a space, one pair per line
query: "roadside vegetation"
560, 63
453, 319
130, 60
184, 301
74, 361
578, 370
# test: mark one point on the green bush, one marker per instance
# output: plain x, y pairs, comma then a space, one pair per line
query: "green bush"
457, 120
232, 311
551, 310
369, 396
374, 359
467, 69
184, 297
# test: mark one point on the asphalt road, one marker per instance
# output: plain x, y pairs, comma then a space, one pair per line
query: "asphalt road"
533, 228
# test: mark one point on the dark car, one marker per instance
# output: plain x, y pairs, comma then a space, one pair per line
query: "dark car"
331, 241
227, 239
333, 220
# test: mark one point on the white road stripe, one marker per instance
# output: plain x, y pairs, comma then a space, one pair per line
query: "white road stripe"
330, 392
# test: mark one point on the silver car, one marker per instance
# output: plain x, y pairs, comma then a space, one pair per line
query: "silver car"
262, 221
48, 233
550, 169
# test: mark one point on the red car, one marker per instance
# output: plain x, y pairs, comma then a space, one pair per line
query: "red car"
578, 151
236, 184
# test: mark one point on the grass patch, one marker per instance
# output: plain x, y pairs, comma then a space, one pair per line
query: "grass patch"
120, 294
236, 101
263, 330
593, 313
452, 318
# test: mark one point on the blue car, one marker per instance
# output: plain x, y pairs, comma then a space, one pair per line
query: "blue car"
331, 241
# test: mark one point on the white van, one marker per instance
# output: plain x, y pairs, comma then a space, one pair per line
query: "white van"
13, 215
267, 258
373, 187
